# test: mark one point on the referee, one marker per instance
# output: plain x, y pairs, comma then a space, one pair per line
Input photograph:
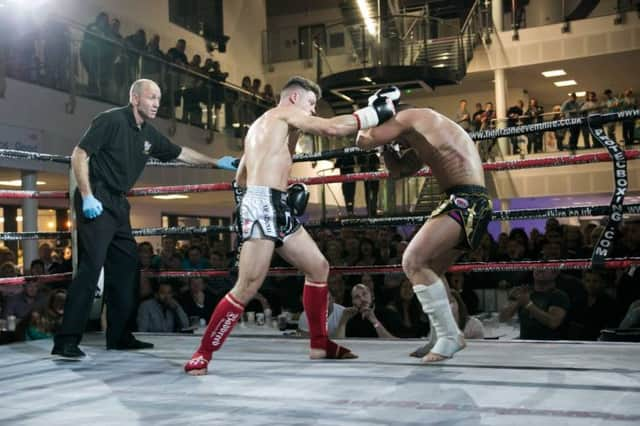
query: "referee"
106, 163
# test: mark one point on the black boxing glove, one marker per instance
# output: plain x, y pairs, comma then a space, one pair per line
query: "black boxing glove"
381, 108
297, 198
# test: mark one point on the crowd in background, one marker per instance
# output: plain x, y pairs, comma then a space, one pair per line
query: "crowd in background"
590, 301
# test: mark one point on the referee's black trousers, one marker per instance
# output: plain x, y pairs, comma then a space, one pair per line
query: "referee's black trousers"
103, 241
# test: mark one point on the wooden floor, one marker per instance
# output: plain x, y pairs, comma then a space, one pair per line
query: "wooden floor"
271, 381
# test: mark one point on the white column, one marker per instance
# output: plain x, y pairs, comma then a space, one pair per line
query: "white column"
29, 218
501, 106
497, 14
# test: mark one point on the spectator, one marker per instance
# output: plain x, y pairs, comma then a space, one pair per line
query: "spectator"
558, 133
542, 310
629, 101
255, 86
92, 49
152, 64
471, 326
177, 53
600, 311
469, 297
610, 103
534, 115
162, 314
463, 118
571, 109
476, 119
135, 43
369, 162
367, 253
403, 315
513, 119
44, 253
198, 302
24, 302
36, 267
589, 106
333, 319
486, 147
192, 93
43, 322
194, 260
268, 95
337, 288
57, 55
347, 164
218, 76
360, 320
9, 269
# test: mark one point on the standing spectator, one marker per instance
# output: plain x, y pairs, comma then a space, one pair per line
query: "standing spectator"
629, 101
152, 68
177, 53
175, 77
589, 106
162, 314
347, 164
217, 76
487, 122
513, 119
268, 94
136, 44
542, 309
571, 109
534, 115
57, 55
92, 49
559, 133
116, 59
369, 162
476, 119
610, 103
192, 93
24, 302
463, 118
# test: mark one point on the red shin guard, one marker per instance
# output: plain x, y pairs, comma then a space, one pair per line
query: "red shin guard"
314, 300
222, 321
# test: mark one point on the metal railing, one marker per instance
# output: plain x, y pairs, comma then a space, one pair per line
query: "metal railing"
63, 56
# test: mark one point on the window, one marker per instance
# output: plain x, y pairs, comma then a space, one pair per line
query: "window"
307, 35
202, 17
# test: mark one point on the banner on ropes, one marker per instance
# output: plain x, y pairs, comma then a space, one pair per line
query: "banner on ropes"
604, 247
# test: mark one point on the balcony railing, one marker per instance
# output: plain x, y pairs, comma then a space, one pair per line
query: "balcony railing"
65, 57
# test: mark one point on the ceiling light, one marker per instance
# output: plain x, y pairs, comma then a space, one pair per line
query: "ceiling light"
564, 83
366, 16
580, 94
367, 79
439, 66
554, 73
171, 197
18, 183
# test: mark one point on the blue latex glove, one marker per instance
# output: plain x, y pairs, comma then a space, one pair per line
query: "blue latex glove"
91, 207
228, 163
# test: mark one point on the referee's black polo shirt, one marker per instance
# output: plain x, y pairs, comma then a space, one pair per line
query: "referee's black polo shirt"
119, 149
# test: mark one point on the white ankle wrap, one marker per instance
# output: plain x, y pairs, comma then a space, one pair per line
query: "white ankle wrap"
435, 303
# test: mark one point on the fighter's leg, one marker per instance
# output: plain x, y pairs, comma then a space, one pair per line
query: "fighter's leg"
302, 252
255, 259
425, 261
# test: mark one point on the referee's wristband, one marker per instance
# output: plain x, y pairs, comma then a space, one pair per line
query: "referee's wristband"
376, 325
528, 305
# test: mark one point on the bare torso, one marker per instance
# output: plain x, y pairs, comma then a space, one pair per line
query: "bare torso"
447, 149
268, 150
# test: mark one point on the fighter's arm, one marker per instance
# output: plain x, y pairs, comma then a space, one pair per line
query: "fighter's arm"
341, 125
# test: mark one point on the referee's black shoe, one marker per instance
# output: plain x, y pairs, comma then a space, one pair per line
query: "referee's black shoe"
131, 344
68, 350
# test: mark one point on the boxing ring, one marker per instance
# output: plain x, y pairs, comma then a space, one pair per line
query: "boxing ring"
263, 377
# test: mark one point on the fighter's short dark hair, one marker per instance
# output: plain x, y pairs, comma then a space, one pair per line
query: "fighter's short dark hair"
297, 81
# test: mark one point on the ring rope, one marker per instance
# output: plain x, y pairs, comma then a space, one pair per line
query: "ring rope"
479, 135
352, 177
618, 263
518, 214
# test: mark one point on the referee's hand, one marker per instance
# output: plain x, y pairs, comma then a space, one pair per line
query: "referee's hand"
91, 207
228, 163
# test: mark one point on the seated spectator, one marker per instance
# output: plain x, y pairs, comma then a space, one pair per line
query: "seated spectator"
24, 302
36, 267
599, 313
219, 286
337, 288
168, 249
632, 317
43, 322
360, 320
333, 318
162, 314
198, 302
44, 253
457, 282
194, 260
403, 315
542, 310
